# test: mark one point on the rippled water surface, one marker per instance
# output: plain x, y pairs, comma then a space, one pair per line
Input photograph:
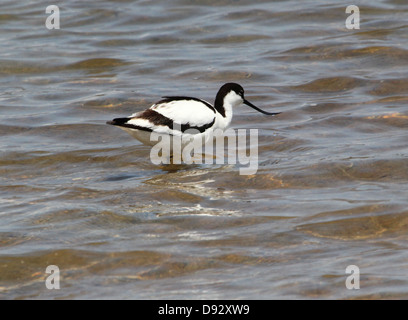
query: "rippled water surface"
330, 190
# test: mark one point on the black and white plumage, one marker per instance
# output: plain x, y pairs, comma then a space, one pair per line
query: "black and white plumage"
186, 116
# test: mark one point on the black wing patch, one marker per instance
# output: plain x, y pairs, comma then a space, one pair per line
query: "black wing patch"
122, 122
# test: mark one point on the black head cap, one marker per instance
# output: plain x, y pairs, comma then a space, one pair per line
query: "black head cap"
224, 90
231, 86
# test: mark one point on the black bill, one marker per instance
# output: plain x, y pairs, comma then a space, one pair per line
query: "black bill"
260, 110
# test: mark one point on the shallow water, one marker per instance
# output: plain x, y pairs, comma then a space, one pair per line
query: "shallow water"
330, 190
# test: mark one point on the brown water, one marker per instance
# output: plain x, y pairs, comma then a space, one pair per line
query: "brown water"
330, 191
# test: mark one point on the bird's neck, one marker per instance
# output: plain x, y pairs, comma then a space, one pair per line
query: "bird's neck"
224, 106
227, 107
219, 105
